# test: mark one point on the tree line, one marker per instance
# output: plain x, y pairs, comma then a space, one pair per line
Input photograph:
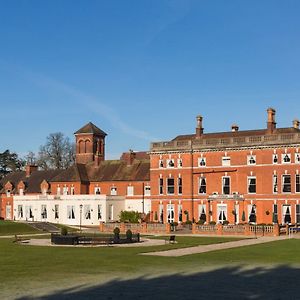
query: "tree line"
57, 153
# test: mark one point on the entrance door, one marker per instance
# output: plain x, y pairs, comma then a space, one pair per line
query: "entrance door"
170, 213
8, 212
221, 213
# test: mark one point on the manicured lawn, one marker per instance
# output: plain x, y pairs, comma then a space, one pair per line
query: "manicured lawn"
10, 228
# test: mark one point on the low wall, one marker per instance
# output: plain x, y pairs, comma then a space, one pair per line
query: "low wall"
136, 228
244, 229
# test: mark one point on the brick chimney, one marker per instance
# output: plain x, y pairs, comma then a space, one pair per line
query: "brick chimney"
199, 128
29, 169
234, 127
296, 124
129, 157
271, 124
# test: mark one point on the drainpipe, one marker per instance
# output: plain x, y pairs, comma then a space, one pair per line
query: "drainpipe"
192, 180
143, 199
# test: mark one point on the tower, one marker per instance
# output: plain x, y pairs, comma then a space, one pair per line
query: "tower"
90, 144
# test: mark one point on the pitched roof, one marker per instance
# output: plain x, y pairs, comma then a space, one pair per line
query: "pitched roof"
91, 128
76, 173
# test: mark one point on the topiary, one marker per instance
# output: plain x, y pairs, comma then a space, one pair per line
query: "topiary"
64, 230
129, 234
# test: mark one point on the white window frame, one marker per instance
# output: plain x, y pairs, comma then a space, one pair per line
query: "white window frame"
113, 191
168, 192
130, 190
250, 159
99, 212
56, 211
273, 158
223, 177
160, 186
199, 186
297, 176
283, 156
179, 163
282, 187
248, 184
161, 163
297, 158
179, 184
273, 185
87, 212
283, 210
147, 190
170, 163
202, 162
65, 190
44, 213
70, 215
97, 190
226, 161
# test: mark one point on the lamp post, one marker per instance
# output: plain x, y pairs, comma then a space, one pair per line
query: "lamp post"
80, 216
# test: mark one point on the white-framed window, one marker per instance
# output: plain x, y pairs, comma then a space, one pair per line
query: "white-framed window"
275, 159
7, 193
251, 213
202, 212
297, 185
97, 190
147, 191
71, 212
226, 185
130, 190
56, 211
251, 160
225, 161
99, 211
297, 158
21, 192
58, 190
28, 212
65, 190
275, 212
179, 186
251, 185
286, 158
286, 214
110, 212
87, 212
170, 186
170, 163
202, 185
179, 163
72, 192
221, 212
44, 211
161, 163
179, 207
20, 211
201, 161
161, 186
113, 191
298, 213
161, 213
275, 184
286, 183
170, 213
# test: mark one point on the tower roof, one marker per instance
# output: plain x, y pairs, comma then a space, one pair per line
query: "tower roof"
92, 129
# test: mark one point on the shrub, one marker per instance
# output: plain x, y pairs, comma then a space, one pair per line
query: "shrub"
130, 216
129, 234
64, 230
155, 216
175, 224
225, 222
188, 222
117, 233
212, 223
200, 222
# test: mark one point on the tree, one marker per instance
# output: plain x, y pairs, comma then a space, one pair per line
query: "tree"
57, 153
130, 216
9, 162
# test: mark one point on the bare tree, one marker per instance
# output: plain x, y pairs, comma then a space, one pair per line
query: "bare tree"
57, 153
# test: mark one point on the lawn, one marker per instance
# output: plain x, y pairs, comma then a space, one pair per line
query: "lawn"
11, 228
38, 270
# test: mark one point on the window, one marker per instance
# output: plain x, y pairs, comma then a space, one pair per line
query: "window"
7, 193
179, 186
297, 158
275, 184
226, 185
251, 185
99, 211
161, 186
298, 213
44, 211
87, 212
201, 161
97, 190
170, 163
161, 163
113, 191
72, 190
71, 212
58, 190
161, 213
225, 161
252, 213
130, 190
147, 191
20, 211
65, 190
286, 214
297, 183
21, 192
286, 158
179, 163
202, 212
251, 159
56, 211
179, 213
170, 186
275, 159
221, 212
286, 183
111, 212
202, 185
275, 213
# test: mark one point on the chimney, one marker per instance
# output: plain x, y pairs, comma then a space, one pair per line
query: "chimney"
29, 169
128, 157
271, 124
296, 124
234, 127
199, 128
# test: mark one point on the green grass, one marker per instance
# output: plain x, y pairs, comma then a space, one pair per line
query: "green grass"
11, 228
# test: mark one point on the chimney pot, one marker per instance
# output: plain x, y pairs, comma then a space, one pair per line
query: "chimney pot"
199, 128
271, 124
234, 127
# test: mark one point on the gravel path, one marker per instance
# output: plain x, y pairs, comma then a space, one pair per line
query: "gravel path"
214, 247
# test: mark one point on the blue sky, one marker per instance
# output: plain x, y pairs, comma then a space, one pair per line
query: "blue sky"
142, 70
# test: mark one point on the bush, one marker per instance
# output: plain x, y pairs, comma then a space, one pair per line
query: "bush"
174, 224
116, 231
225, 222
212, 223
64, 230
155, 216
130, 216
200, 222
129, 234
188, 222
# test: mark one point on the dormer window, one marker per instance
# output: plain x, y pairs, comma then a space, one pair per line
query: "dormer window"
179, 163
97, 190
113, 191
7, 193
72, 190
286, 158
275, 159
202, 162
65, 190
170, 163
251, 159
297, 158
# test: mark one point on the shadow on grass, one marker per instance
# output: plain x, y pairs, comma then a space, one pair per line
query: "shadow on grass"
280, 282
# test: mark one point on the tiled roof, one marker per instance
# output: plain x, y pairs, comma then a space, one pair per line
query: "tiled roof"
76, 173
91, 128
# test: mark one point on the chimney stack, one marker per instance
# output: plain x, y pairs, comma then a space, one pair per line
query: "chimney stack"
296, 124
271, 124
29, 169
234, 127
199, 128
